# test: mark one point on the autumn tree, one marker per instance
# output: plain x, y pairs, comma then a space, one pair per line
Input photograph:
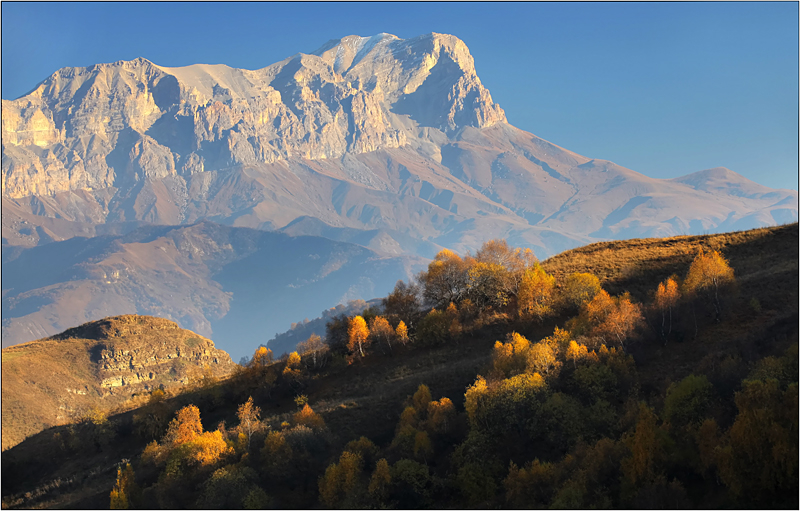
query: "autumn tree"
308, 417
185, 427
262, 357
209, 448
403, 301
402, 333
488, 285
576, 352
316, 350
249, 417
441, 415
645, 449
510, 358
757, 458
708, 273
515, 261
380, 481
612, 318
340, 479
357, 335
125, 492
421, 399
535, 295
381, 331
667, 296
446, 279
579, 289
151, 420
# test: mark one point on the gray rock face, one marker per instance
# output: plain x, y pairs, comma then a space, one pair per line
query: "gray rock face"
396, 137
119, 124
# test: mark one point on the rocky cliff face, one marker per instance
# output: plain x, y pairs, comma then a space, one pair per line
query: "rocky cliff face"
375, 133
115, 125
100, 364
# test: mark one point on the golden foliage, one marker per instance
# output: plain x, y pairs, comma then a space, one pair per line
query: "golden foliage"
541, 359
380, 481
381, 331
307, 417
340, 479
579, 289
210, 448
357, 335
249, 417
510, 358
423, 448
441, 415
124, 488
402, 332
612, 318
576, 352
185, 427
446, 279
474, 397
708, 273
421, 399
535, 296
262, 357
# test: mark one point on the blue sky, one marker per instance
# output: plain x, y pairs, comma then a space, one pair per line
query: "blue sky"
665, 89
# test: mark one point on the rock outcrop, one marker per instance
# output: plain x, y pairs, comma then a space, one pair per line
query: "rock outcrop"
114, 125
101, 364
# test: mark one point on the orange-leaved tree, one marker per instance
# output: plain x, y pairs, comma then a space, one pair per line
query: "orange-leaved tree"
309, 418
185, 427
402, 332
357, 335
613, 318
667, 296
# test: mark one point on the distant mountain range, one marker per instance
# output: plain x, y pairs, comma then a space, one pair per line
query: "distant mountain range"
390, 144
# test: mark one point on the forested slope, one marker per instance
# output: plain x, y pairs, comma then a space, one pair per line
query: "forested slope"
647, 373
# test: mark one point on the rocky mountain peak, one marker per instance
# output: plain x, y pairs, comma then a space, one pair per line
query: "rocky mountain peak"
113, 125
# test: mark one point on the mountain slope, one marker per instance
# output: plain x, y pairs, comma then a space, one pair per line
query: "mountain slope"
364, 133
235, 283
100, 364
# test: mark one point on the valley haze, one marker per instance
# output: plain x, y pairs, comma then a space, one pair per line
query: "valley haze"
211, 194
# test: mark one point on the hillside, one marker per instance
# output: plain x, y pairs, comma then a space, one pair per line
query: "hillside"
753, 340
99, 366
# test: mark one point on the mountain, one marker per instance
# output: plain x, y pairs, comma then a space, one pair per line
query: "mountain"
374, 133
240, 284
101, 364
391, 144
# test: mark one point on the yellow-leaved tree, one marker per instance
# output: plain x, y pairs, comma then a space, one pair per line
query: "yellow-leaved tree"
535, 295
357, 335
708, 273
249, 416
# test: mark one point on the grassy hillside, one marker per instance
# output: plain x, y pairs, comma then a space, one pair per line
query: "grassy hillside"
98, 366
469, 465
